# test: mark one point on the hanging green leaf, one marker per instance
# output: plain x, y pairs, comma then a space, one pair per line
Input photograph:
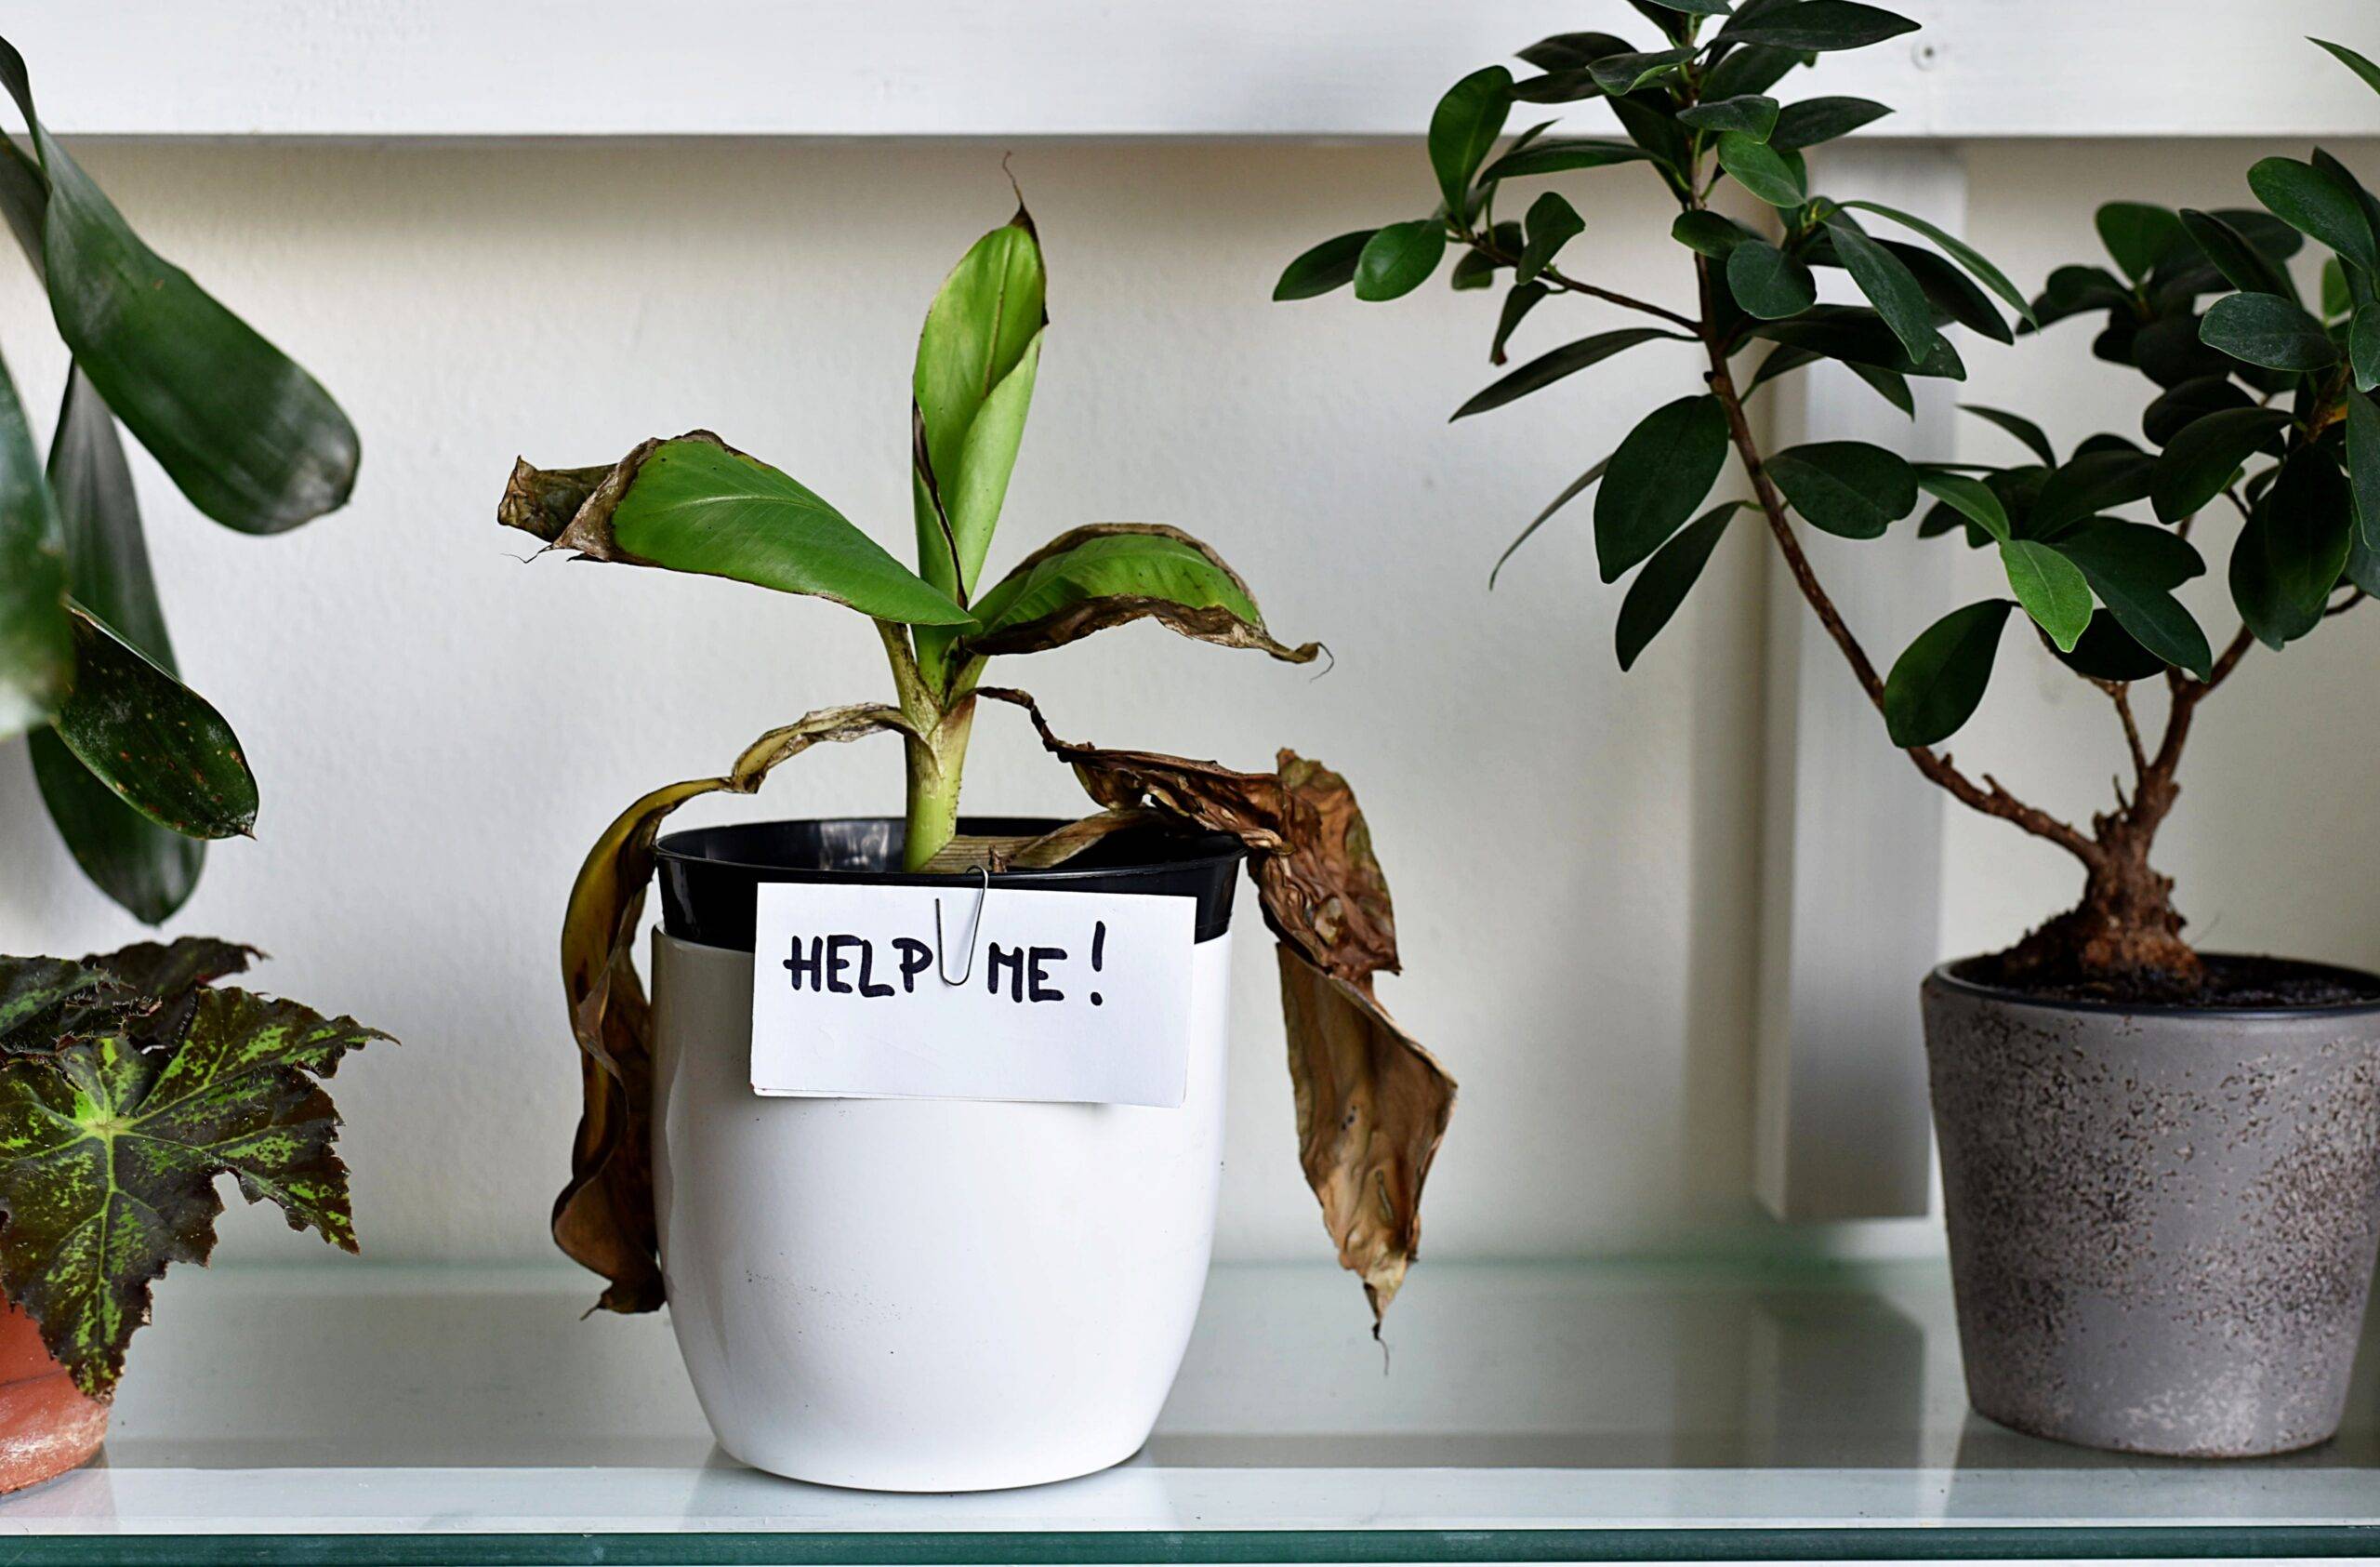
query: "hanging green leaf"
1890, 287
2052, 589
2353, 61
1858, 336
1959, 250
2135, 568
1753, 114
2317, 203
1573, 52
2088, 484
2200, 461
1890, 385
1552, 223
2138, 235
152, 740
1817, 120
1761, 169
2023, 428
2266, 330
1768, 283
1399, 259
2363, 465
1109, 574
1749, 68
1567, 360
1818, 25
1653, 598
2293, 548
1522, 298
1622, 73
251, 438
36, 646
145, 868
1464, 128
1937, 683
2109, 652
1971, 498
2241, 263
1848, 488
1570, 492
2190, 401
1658, 477
1711, 233
1325, 269
1951, 292
108, 1163
1560, 155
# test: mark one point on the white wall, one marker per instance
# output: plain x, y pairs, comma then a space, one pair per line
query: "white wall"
440, 729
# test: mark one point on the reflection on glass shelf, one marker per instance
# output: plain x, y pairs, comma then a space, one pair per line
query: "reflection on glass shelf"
1573, 1411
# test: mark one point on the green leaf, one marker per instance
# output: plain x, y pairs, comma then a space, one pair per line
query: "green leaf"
2242, 264
2107, 651
2315, 203
1709, 234
1552, 223
2353, 61
154, 742
1658, 477
1518, 302
1959, 250
49, 1001
1751, 68
1573, 52
2198, 462
1937, 683
2187, 403
1570, 492
1695, 7
2052, 589
2294, 547
36, 646
1951, 292
1622, 73
1760, 169
1755, 115
1817, 120
1768, 283
2137, 234
972, 389
1464, 128
1848, 488
1890, 385
1325, 269
1112, 573
1567, 360
1653, 598
1399, 259
2266, 330
2337, 298
1857, 336
1890, 287
1971, 498
2023, 428
1474, 270
147, 868
2133, 568
2363, 347
2072, 291
1818, 25
111, 1153
2088, 484
251, 438
1560, 155
2363, 465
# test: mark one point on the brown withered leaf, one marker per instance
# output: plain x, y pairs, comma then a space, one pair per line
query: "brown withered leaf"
1065, 592
969, 852
1372, 1104
603, 1218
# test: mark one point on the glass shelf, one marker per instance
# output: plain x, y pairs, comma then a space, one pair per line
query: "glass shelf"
1516, 1414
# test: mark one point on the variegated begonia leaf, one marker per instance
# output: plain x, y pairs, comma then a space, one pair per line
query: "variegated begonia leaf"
47, 1001
109, 1151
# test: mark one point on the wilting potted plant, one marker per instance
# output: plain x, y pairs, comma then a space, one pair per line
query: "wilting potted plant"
136, 769
920, 1294
129, 1081
2162, 1166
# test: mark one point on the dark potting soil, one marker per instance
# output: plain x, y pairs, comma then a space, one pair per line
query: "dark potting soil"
2230, 982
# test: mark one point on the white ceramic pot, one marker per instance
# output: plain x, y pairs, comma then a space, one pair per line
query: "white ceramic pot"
924, 1296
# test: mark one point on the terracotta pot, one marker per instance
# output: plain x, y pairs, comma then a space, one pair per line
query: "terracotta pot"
46, 1425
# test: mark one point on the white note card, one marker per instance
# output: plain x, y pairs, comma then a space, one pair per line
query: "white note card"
1081, 997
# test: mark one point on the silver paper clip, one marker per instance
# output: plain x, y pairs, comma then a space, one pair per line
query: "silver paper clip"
974, 928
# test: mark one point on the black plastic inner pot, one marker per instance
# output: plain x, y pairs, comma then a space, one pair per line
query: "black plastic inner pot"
710, 875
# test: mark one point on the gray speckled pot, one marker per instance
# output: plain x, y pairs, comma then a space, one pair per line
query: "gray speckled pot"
2163, 1220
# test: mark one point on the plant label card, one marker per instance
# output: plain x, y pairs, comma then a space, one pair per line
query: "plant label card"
1080, 997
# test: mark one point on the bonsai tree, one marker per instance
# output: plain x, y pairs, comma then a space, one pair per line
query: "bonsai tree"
2255, 378
128, 1083
137, 770
1371, 1103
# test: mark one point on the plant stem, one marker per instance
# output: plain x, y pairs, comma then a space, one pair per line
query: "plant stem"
937, 761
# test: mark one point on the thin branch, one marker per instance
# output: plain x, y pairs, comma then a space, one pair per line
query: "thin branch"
1562, 283
2121, 694
2346, 604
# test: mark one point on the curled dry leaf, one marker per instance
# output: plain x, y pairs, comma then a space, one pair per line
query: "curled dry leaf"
1372, 1104
603, 1218
571, 508
1110, 574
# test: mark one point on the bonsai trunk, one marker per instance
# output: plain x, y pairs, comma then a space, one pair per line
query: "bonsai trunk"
2125, 932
